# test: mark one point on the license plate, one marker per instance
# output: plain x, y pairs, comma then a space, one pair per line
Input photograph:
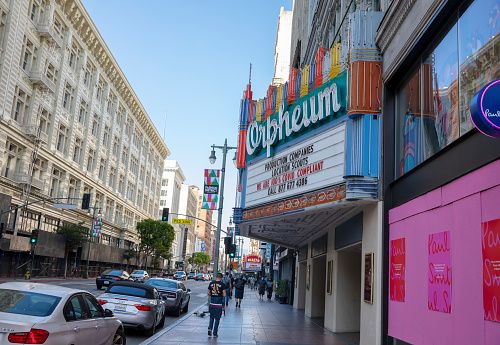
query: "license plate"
120, 307
106, 282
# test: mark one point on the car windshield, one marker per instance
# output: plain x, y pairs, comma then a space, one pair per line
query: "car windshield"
162, 283
180, 273
192, 274
200, 275
27, 303
138, 272
128, 290
112, 273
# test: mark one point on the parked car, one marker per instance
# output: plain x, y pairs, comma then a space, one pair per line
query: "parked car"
110, 276
191, 275
200, 276
180, 275
137, 305
33, 313
174, 293
139, 276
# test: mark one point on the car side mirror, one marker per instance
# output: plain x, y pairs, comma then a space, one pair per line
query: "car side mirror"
108, 313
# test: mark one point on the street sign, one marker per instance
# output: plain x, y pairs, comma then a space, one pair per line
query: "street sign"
182, 221
65, 206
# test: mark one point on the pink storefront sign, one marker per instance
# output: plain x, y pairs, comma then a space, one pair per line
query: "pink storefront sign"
490, 236
439, 275
398, 270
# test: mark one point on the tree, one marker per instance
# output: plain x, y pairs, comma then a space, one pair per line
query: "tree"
129, 254
75, 235
199, 259
155, 237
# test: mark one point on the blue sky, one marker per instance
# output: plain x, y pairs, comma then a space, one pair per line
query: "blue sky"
193, 58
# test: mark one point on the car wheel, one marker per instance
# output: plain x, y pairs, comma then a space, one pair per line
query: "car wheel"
151, 331
162, 322
177, 312
186, 307
119, 338
99, 287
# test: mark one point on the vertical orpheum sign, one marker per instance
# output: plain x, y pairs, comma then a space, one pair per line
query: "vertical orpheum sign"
211, 189
397, 270
439, 274
490, 236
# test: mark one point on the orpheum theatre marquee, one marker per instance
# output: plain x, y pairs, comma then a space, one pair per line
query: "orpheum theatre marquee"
300, 155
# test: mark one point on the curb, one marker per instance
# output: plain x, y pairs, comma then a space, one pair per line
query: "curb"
35, 280
165, 330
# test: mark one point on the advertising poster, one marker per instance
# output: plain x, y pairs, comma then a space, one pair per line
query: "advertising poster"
368, 285
211, 189
439, 275
398, 270
490, 236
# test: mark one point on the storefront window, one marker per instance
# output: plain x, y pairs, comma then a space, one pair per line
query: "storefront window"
432, 107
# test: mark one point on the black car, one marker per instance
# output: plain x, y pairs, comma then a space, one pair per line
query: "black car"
108, 277
174, 293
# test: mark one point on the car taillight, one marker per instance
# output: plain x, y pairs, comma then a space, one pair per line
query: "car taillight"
117, 278
35, 336
142, 307
98, 276
102, 301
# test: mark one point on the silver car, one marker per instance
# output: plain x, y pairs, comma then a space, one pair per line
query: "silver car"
174, 293
32, 313
137, 305
139, 276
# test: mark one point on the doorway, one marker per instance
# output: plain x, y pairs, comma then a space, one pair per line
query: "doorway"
318, 287
301, 285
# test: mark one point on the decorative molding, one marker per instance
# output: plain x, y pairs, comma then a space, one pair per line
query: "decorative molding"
393, 20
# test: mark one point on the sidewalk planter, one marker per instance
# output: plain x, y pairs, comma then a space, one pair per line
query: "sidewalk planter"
282, 290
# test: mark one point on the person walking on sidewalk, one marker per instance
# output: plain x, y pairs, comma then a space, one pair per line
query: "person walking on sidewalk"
227, 285
269, 289
262, 288
231, 286
216, 292
239, 286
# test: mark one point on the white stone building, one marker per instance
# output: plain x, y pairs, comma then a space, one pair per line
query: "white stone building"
282, 47
68, 108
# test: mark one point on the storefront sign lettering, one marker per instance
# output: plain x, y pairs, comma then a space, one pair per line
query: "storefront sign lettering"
314, 109
397, 270
439, 275
490, 235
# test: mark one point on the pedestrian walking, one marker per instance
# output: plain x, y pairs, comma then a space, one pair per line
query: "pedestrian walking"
239, 289
216, 292
270, 286
226, 281
252, 283
231, 287
262, 288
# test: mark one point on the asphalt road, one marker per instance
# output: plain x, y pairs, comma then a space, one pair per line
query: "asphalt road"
198, 297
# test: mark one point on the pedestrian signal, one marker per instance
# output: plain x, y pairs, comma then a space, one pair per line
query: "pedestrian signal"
164, 215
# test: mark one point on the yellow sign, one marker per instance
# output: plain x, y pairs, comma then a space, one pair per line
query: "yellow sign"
182, 221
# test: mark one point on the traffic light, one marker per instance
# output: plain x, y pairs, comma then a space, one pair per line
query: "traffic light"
232, 251
227, 244
164, 215
85, 201
34, 236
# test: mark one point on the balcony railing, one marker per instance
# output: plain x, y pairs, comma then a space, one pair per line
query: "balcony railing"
39, 78
47, 30
34, 132
22, 178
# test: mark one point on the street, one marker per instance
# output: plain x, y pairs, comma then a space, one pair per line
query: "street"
198, 297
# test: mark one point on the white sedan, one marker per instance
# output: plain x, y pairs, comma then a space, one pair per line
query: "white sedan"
32, 313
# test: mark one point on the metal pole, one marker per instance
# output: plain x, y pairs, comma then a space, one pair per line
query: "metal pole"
221, 203
86, 276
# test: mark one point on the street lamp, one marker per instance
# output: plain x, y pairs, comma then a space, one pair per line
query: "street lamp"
95, 208
212, 159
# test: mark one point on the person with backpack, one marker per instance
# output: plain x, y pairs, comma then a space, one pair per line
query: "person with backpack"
262, 288
216, 292
227, 285
269, 289
239, 285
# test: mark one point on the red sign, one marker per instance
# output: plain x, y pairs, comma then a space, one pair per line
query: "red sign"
254, 258
398, 270
439, 283
490, 236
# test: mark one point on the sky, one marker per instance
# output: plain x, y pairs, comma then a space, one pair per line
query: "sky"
189, 61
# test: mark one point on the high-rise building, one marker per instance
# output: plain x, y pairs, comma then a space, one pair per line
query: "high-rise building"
204, 226
282, 47
187, 207
70, 124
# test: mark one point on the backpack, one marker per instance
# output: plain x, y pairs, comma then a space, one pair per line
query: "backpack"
240, 284
269, 285
226, 281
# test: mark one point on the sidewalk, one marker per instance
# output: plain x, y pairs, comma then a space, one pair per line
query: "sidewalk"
256, 322
43, 279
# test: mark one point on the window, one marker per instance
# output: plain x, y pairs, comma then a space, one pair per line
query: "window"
73, 57
21, 106
91, 160
68, 97
102, 166
58, 28
124, 155
121, 184
95, 125
432, 106
3, 22
87, 75
164, 183
118, 214
119, 116
112, 177
163, 202
100, 90
75, 310
105, 137
78, 150
45, 120
39, 168
82, 114
52, 73
55, 182
34, 10
116, 146
62, 139
28, 56
163, 192
14, 156
73, 188
27, 303
128, 127
130, 191
141, 174
134, 164
94, 307
109, 208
